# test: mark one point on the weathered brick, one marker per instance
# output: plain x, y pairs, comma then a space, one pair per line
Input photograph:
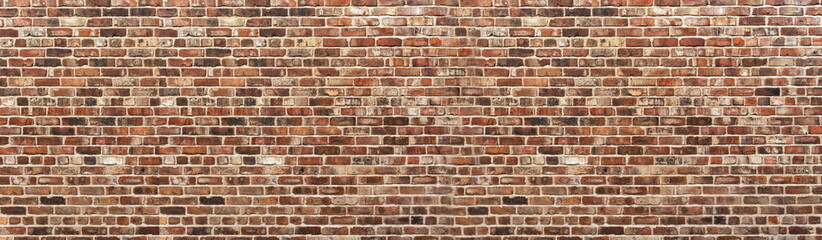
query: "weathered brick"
356, 119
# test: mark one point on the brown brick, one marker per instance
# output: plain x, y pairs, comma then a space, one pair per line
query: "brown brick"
13, 210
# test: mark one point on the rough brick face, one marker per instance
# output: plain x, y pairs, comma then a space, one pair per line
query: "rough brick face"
410, 119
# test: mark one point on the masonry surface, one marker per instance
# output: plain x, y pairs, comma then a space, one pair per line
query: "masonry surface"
410, 119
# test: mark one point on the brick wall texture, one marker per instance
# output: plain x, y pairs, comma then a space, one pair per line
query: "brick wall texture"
410, 119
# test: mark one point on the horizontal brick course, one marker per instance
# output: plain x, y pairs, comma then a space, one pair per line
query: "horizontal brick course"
410, 119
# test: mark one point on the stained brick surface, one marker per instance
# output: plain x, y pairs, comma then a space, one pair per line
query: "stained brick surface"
410, 119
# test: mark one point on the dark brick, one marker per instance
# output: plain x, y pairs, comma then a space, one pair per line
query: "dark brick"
309, 230
514, 200
701, 121
40, 231
767, 92
148, 230
478, 211
52, 200
212, 200
396, 121
173, 210
13, 210
272, 32
113, 32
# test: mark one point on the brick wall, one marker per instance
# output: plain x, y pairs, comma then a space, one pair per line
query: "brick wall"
410, 119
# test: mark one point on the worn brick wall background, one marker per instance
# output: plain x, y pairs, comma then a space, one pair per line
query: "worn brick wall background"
410, 119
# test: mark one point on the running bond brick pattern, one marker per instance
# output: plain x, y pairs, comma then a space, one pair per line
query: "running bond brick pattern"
410, 119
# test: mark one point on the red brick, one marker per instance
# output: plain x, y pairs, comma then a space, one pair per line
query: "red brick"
417, 119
